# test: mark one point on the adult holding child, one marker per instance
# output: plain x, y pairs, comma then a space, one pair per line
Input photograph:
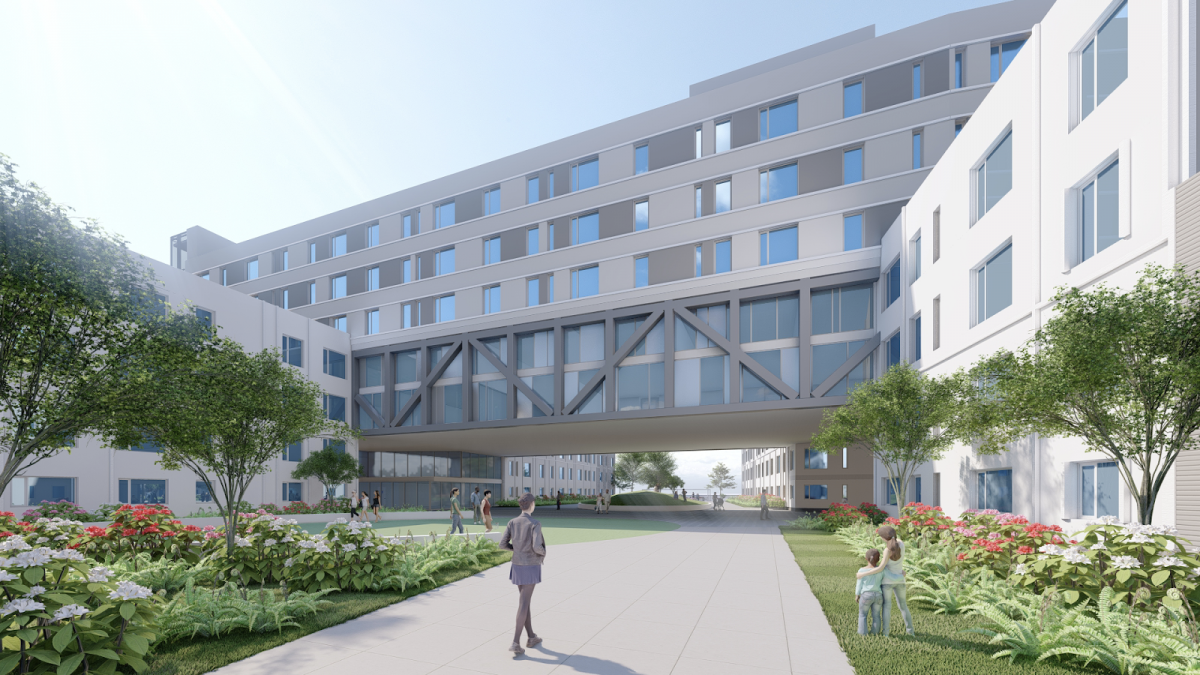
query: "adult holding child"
523, 536
894, 588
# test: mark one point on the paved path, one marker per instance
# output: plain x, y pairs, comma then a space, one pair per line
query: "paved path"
722, 594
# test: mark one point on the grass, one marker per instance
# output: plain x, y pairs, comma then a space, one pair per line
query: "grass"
192, 657
564, 530
940, 646
648, 498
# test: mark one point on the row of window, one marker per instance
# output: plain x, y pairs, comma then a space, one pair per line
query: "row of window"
30, 491
564, 472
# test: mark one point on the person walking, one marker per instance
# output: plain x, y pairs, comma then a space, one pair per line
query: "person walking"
353, 505
523, 536
599, 503
455, 513
558, 501
375, 504
476, 514
486, 509
364, 503
607, 501
764, 512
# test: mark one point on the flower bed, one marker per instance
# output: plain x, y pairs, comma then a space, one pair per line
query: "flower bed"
754, 501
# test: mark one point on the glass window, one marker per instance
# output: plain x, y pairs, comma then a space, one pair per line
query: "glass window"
491, 251
339, 323
958, 126
550, 237
533, 296
337, 245
815, 459
531, 241
205, 316
224, 277
287, 300
585, 282
640, 387
372, 235
407, 366
641, 215
722, 197
1003, 55
916, 81
641, 271
375, 401
34, 491
1099, 489
406, 271
583, 344
491, 201
994, 285
531, 190
699, 259
333, 363
701, 381
837, 310
337, 287
893, 350
290, 454
995, 489
252, 269
492, 400
916, 151
852, 166
777, 120
205, 276
699, 201
550, 289
408, 231
699, 143
585, 229
373, 279
917, 257
816, 492
312, 292
444, 308
958, 71
778, 246
917, 338
722, 132
312, 253
335, 407
770, 319
491, 299
852, 232
641, 159
826, 359
443, 216
1099, 213
723, 254
585, 175
852, 99
536, 350
1104, 62
993, 179
893, 284
203, 495
136, 491
443, 262
372, 322
778, 183
407, 316
293, 351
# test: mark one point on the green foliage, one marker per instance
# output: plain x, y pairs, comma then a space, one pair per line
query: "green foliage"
721, 478
860, 537
1118, 370
331, 466
840, 515
807, 523
754, 501
143, 529
233, 607
162, 574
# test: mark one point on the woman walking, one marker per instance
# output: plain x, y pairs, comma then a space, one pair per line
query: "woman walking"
375, 505
486, 508
353, 505
364, 503
523, 537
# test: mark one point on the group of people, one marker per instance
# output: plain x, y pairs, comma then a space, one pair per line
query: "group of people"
881, 584
718, 502
603, 501
481, 510
360, 504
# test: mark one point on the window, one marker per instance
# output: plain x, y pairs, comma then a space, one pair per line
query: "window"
372, 235
531, 241
916, 81
550, 237
993, 178
778, 183
838, 310
444, 308
958, 127
407, 321
1003, 55
550, 185
293, 351
917, 489
287, 303
443, 262
777, 120
723, 257
34, 491
993, 285
815, 459
491, 201
699, 259
533, 296
550, 289
641, 216
937, 233
406, 271
641, 159
491, 299
768, 319
722, 133
585, 229
722, 197
994, 489
1098, 489
937, 322
372, 322
203, 495
443, 215
778, 246
373, 279
408, 231
1099, 212
339, 322
583, 344
699, 201
893, 350
958, 70
852, 166
224, 277
699, 142
205, 316
891, 492
333, 363
585, 175
916, 329
585, 282
291, 453
852, 232
491, 251
641, 271
916, 151
205, 276
337, 287
337, 245
252, 270
312, 292
135, 491
312, 253
852, 99
1104, 62
916, 257
291, 492
531, 191
335, 407
816, 492
525, 470
893, 284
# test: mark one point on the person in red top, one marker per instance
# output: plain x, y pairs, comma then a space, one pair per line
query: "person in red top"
486, 507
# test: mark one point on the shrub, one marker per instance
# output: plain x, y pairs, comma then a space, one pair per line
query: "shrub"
144, 529
841, 515
920, 521
211, 613
876, 514
264, 547
807, 523
753, 501
62, 509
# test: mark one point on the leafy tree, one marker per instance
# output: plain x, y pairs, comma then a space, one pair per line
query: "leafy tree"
331, 466
658, 471
1120, 371
225, 414
903, 419
721, 478
79, 319
625, 472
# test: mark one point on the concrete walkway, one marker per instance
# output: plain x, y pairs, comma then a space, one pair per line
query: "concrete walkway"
722, 594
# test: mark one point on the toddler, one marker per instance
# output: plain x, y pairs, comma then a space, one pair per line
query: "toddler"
868, 592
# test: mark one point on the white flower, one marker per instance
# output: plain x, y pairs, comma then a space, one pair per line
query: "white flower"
41, 540
34, 591
359, 525
337, 521
289, 562
1051, 549
69, 554
1019, 569
288, 539
61, 537
322, 547
349, 547
20, 606
1075, 556
241, 542
1168, 561
35, 558
1042, 557
8, 576
70, 612
1125, 562
1141, 538
1108, 520
14, 543
270, 542
381, 547
127, 590
1099, 546
99, 575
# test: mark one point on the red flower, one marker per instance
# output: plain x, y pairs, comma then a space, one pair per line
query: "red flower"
94, 531
6, 533
962, 556
191, 528
167, 534
128, 532
1025, 550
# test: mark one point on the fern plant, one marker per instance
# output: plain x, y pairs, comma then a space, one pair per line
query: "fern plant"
213, 612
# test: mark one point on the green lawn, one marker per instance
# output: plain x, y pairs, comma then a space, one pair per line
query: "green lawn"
939, 648
648, 498
559, 530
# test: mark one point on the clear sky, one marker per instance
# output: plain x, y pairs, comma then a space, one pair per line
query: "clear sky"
247, 117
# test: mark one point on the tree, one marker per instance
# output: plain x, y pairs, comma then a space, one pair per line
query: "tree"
332, 466
225, 413
1120, 371
79, 318
625, 472
903, 419
658, 471
721, 478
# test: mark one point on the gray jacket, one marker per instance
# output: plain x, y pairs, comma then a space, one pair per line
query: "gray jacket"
523, 537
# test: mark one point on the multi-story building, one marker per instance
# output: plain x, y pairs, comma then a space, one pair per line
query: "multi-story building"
546, 475
770, 469
698, 276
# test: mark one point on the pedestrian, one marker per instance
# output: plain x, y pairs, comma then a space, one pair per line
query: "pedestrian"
477, 515
364, 503
764, 513
523, 536
685, 495
455, 513
894, 588
353, 505
599, 503
868, 593
375, 504
558, 501
674, 493
486, 509
607, 501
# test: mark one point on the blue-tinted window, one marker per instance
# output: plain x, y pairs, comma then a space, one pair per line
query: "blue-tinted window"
699, 258
777, 120
769, 319
531, 191
312, 253
1104, 62
372, 322
993, 285
916, 81
1099, 490
443, 262
815, 459
917, 339
699, 201
291, 492
339, 323
893, 350
373, 279
994, 490
335, 407
406, 271
852, 166
143, 491
333, 363
533, 296
585, 175
722, 196
585, 229
408, 231
290, 454
958, 71
994, 178
443, 216
916, 151
722, 136
1100, 212
641, 272
293, 351
641, 159
852, 232
252, 269
205, 316
778, 183
445, 309
852, 99
203, 495
837, 310
491, 251
778, 246
816, 492
372, 236
531, 241
491, 300
1003, 55
724, 257
893, 283
641, 216
491, 201
585, 282
337, 245
287, 304
337, 287
34, 491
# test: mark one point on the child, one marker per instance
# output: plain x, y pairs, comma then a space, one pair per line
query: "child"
869, 596
893, 578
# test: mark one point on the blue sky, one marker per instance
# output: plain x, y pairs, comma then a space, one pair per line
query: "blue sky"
248, 117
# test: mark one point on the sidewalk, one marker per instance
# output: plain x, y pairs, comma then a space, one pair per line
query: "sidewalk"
723, 594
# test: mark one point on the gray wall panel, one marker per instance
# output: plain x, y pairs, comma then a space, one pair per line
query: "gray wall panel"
672, 148
426, 265
356, 281
978, 64
744, 129
820, 105
877, 219
888, 86
512, 243
672, 264
468, 206
935, 72
820, 171
888, 155
616, 219
562, 180
428, 312
391, 272
562, 233
935, 139
616, 164
298, 294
